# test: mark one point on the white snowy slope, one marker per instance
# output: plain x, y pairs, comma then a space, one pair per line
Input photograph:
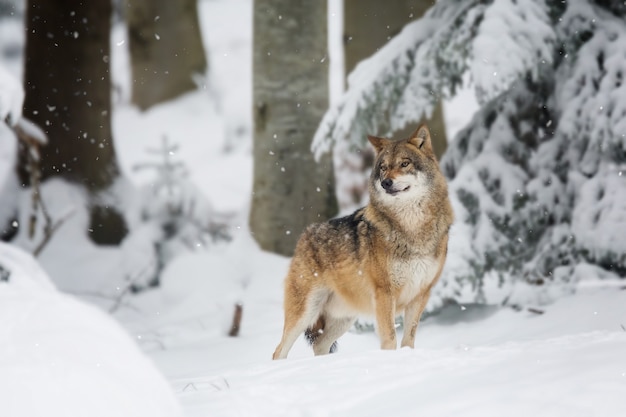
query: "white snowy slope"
469, 360
567, 376
568, 361
60, 357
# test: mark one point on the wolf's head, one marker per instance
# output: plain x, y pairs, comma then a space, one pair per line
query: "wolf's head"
405, 171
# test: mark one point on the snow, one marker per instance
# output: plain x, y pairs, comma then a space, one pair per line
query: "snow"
599, 219
592, 95
567, 361
565, 358
59, 356
505, 47
514, 379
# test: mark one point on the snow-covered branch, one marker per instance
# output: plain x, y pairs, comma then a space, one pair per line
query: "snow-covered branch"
497, 43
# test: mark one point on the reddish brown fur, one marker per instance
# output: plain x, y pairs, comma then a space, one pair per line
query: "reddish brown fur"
383, 259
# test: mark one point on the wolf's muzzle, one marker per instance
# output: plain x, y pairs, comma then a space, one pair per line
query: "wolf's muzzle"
387, 184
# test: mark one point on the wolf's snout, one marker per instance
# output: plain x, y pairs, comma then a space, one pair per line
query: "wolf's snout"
387, 183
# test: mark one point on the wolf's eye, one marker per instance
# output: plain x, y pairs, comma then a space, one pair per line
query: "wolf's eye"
383, 168
404, 164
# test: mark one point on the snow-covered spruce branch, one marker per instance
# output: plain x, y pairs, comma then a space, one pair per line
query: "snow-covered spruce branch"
497, 42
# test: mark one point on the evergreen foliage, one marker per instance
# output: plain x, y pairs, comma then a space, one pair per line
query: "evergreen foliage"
538, 177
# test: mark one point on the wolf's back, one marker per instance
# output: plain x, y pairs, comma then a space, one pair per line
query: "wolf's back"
335, 241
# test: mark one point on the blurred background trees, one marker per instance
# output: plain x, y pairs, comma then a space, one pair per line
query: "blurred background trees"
166, 49
68, 88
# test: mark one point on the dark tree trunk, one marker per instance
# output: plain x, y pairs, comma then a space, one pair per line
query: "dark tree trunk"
166, 49
290, 95
68, 88
68, 94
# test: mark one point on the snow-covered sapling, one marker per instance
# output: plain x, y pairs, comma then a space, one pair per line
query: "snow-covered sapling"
175, 217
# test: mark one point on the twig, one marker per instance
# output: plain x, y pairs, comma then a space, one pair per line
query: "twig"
128, 288
535, 310
49, 228
234, 328
118, 299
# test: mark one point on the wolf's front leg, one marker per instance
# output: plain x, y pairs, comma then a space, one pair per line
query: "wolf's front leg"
385, 314
412, 314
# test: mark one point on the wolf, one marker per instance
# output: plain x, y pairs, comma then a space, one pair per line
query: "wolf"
381, 260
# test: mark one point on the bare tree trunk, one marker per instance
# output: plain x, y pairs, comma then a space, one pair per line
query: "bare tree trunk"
166, 49
290, 88
68, 94
68, 88
368, 25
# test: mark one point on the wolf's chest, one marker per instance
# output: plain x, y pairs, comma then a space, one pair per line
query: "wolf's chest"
409, 277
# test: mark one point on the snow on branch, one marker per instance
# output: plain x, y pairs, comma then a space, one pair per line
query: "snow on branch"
29, 132
498, 43
513, 37
592, 96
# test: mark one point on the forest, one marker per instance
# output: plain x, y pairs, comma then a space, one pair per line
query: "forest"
159, 161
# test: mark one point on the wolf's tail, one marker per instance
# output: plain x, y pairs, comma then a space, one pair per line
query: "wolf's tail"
312, 333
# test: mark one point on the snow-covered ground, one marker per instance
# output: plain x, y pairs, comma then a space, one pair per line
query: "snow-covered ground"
61, 357
563, 359
470, 369
469, 360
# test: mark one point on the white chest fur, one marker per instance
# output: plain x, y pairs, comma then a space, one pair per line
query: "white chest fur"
411, 276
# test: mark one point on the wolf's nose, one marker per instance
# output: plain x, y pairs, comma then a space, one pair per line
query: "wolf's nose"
387, 183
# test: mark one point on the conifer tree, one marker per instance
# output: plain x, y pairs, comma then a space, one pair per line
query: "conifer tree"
538, 176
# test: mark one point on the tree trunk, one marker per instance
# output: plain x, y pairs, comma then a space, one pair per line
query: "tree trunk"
368, 25
68, 94
290, 95
68, 88
166, 49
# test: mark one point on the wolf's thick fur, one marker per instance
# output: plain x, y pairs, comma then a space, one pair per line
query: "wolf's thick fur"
383, 259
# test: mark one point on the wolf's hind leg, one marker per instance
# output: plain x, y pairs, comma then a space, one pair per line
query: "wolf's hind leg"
324, 342
290, 334
296, 322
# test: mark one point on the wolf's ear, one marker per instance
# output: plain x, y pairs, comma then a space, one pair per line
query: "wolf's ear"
378, 143
421, 138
